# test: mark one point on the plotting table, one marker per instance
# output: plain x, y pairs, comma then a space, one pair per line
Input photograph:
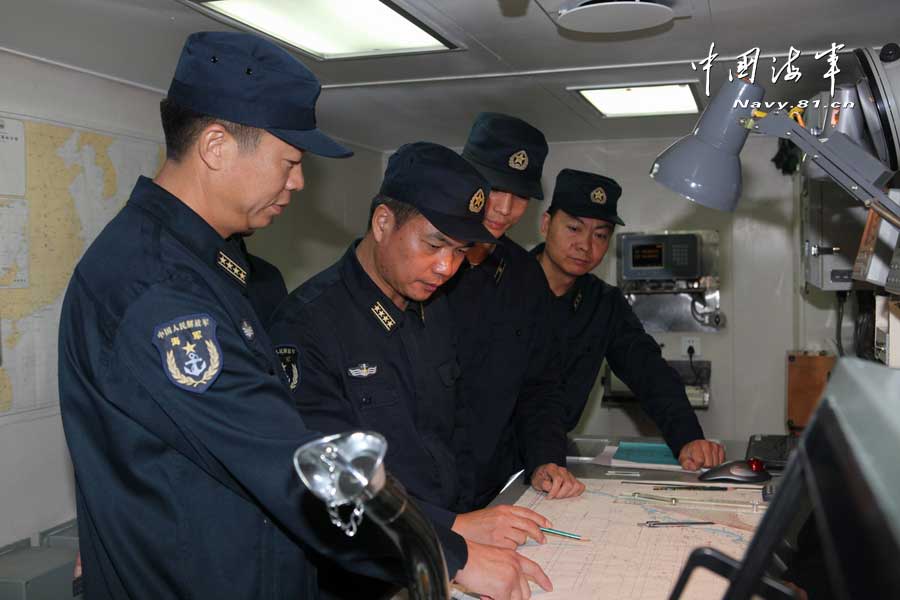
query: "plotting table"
623, 560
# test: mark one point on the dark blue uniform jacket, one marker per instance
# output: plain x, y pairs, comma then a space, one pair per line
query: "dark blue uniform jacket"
594, 321
511, 380
180, 423
362, 363
266, 287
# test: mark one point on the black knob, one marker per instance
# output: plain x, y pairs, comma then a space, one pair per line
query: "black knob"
889, 52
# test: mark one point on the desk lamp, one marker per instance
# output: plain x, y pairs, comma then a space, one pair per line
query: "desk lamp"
705, 167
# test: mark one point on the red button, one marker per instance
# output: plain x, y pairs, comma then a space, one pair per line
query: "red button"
756, 465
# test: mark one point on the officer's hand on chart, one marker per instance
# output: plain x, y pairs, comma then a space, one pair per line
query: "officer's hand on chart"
505, 526
500, 573
701, 454
557, 481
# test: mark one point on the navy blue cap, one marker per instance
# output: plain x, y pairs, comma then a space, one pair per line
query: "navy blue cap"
245, 79
583, 194
509, 152
445, 188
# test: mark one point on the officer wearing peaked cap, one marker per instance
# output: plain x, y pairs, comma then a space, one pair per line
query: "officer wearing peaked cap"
370, 344
177, 416
373, 346
594, 321
509, 359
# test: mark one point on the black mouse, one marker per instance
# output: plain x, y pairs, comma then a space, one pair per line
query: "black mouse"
738, 471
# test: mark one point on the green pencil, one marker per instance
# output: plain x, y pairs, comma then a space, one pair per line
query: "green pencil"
573, 536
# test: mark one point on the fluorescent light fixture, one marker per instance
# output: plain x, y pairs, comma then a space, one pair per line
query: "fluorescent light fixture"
642, 101
330, 29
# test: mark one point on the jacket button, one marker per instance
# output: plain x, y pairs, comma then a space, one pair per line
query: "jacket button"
271, 371
518, 333
367, 400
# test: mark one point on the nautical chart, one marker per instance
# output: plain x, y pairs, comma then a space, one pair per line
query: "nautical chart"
623, 560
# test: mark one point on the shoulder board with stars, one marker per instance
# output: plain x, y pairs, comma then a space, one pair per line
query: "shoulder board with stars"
498, 274
232, 268
576, 302
383, 316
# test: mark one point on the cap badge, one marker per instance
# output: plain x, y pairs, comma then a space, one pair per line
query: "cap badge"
477, 201
598, 196
519, 160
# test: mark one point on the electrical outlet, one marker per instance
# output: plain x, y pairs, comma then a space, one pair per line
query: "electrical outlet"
687, 342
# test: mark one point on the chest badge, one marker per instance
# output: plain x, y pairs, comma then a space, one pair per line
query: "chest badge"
288, 356
247, 330
362, 370
190, 353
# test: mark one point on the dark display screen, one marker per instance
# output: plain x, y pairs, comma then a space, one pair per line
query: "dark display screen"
647, 256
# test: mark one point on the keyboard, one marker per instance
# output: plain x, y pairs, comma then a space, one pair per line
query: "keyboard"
773, 450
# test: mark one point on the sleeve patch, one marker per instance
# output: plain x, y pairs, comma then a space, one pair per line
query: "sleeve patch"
288, 355
190, 352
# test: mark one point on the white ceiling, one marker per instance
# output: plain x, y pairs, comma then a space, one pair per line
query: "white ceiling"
512, 58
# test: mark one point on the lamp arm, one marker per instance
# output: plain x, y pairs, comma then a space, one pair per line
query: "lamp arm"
860, 174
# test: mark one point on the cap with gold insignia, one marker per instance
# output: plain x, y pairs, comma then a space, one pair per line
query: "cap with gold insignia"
446, 189
247, 79
509, 152
583, 194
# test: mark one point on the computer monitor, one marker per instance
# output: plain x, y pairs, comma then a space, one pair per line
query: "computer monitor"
847, 469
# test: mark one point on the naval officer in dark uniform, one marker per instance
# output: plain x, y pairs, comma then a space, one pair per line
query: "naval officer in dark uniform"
509, 359
594, 321
369, 343
177, 415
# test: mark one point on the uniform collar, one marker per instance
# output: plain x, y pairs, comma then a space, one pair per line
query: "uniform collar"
192, 231
496, 262
575, 296
369, 297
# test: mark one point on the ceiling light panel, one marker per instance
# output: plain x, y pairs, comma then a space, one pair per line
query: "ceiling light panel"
329, 29
642, 101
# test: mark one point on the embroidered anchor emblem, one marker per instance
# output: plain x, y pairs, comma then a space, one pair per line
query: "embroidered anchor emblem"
191, 366
201, 363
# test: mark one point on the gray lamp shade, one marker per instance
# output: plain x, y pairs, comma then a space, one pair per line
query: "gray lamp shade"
705, 167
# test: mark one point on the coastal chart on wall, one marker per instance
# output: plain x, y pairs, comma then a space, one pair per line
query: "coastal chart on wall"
59, 186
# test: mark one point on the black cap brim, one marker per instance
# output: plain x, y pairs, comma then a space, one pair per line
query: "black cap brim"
508, 182
590, 212
460, 229
312, 140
